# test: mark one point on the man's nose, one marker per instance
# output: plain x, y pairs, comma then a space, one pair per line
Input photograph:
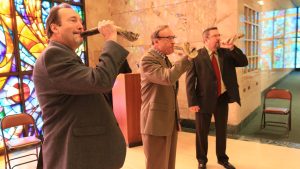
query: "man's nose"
80, 26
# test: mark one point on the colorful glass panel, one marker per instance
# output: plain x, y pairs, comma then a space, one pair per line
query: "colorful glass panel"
298, 42
298, 22
27, 59
31, 32
279, 23
278, 53
7, 57
298, 54
289, 52
46, 5
266, 23
10, 95
10, 103
282, 34
31, 102
265, 59
290, 22
30, 17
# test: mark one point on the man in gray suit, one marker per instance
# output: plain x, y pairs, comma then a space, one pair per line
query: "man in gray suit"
80, 129
159, 109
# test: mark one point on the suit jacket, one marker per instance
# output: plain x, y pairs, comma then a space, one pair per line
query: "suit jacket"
159, 109
80, 129
125, 68
201, 82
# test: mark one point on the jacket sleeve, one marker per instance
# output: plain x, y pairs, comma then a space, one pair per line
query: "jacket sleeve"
70, 76
239, 58
191, 81
155, 72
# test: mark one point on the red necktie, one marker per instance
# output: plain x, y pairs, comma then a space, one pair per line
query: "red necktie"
217, 71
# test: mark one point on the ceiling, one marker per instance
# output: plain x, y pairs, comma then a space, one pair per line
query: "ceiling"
279, 4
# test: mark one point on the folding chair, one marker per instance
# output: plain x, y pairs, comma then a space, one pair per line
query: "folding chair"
30, 139
277, 107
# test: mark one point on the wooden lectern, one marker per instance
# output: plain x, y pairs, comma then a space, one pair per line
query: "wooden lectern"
127, 105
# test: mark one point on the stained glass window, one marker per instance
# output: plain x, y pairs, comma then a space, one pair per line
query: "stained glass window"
278, 53
7, 59
266, 55
279, 23
10, 95
266, 23
289, 52
25, 21
298, 42
278, 43
291, 19
298, 54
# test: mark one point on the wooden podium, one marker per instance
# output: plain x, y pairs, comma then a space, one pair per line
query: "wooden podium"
126, 95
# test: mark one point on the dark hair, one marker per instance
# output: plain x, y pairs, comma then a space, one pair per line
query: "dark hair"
155, 34
205, 33
54, 18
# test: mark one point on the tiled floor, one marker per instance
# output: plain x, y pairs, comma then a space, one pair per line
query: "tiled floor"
243, 154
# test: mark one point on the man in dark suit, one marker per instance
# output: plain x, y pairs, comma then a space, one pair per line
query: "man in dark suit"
211, 84
159, 109
80, 128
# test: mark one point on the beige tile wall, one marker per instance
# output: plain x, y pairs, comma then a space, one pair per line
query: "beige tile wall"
188, 18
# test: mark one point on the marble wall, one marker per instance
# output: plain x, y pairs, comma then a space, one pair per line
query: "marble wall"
187, 18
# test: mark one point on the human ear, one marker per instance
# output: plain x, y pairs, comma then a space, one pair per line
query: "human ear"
54, 28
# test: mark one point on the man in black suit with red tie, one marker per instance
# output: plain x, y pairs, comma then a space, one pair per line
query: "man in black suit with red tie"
211, 84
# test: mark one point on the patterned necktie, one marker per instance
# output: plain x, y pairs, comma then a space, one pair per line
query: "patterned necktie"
217, 71
168, 62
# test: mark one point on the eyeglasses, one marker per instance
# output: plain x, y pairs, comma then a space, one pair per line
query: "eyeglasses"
167, 37
215, 36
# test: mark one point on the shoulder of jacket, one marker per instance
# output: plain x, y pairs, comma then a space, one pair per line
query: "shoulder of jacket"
150, 56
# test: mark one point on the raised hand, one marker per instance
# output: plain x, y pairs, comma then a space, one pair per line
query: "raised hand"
108, 30
229, 43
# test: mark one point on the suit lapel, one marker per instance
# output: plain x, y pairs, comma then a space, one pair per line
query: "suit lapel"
205, 55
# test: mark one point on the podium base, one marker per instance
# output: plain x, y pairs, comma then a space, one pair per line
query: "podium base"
135, 144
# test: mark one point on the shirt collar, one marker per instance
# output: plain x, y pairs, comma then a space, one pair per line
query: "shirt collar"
159, 53
210, 52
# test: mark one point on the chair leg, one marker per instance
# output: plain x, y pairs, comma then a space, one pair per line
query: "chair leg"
7, 162
6, 158
290, 121
262, 122
37, 152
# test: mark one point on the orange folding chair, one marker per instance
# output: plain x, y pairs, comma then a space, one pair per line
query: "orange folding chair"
273, 105
30, 139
